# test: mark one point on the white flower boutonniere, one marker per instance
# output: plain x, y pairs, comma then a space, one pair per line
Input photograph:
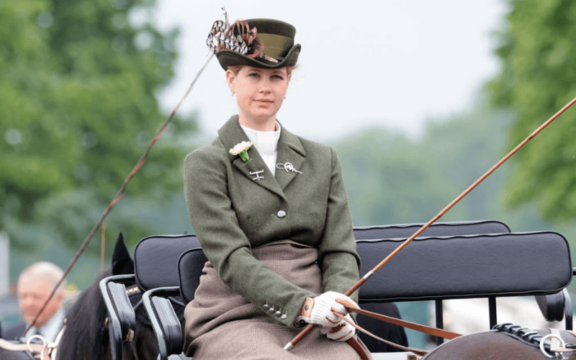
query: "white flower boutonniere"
242, 150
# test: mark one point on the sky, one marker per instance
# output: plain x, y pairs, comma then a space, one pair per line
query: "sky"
385, 63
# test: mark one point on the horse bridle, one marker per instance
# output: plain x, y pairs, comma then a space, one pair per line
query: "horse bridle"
551, 345
45, 350
131, 291
49, 351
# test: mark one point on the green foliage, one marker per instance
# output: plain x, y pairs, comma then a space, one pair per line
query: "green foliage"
538, 77
78, 109
384, 175
391, 179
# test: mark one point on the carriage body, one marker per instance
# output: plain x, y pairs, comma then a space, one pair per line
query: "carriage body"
450, 261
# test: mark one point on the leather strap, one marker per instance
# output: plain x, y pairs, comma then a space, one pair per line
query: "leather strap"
36, 348
46, 351
360, 348
555, 343
403, 348
410, 325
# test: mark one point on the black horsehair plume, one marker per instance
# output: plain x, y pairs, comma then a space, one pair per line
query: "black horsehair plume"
246, 42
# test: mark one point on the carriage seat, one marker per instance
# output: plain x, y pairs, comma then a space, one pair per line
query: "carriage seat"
152, 245
156, 262
495, 265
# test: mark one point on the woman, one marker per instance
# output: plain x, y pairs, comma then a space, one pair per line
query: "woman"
273, 221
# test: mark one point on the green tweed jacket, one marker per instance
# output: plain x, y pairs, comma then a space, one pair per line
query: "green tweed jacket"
231, 213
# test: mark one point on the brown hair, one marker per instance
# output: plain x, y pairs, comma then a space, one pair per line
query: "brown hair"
236, 69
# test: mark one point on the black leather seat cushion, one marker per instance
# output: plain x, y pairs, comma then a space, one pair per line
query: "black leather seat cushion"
190, 268
448, 267
192, 262
170, 324
404, 231
552, 306
458, 228
156, 259
466, 267
122, 307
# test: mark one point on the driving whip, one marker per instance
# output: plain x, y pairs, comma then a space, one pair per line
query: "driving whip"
309, 327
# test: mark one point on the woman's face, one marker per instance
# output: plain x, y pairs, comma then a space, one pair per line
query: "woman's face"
259, 92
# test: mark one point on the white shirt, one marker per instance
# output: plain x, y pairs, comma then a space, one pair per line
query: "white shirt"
51, 329
266, 142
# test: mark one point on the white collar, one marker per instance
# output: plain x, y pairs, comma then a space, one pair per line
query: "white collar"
264, 141
250, 131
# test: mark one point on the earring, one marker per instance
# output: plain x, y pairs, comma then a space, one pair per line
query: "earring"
232, 93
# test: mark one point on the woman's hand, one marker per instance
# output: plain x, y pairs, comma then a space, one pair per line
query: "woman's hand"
318, 311
341, 332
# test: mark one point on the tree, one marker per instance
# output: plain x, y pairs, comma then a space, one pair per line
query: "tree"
537, 78
392, 179
78, 109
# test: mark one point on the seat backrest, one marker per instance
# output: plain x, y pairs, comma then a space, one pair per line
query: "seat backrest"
466, 267
457, 228
404, 231
448, 268
514, 264
190, 268
156, 259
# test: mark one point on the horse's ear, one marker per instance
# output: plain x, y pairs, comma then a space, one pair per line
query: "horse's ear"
121, 261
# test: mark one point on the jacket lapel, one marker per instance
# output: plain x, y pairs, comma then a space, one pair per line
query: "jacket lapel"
290, 150
231, 134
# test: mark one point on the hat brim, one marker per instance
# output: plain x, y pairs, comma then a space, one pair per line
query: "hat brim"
229, 57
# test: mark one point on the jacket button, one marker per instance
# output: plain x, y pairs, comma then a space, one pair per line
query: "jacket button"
281, 214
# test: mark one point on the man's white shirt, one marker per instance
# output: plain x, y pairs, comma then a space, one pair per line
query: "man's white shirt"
51, 329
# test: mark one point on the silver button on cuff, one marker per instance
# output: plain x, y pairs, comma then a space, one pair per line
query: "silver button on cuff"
281, 214
278, 313
271, 309
283, 317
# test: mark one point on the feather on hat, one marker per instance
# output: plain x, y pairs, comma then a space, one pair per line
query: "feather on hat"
262, 43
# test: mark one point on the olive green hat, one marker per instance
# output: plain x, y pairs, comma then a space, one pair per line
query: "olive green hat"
278, 40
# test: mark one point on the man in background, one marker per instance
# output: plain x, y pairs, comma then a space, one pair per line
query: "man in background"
34, 287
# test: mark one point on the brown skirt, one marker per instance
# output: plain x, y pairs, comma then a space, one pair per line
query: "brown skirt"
221, 324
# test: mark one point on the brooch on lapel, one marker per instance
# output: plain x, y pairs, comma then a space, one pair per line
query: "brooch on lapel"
257, 173
242, 150
288, 167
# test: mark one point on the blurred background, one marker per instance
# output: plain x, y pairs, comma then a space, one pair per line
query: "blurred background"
418, 98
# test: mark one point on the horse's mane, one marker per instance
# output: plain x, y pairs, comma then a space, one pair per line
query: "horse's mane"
83, 338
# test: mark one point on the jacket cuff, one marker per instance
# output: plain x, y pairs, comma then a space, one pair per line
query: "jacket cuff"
287, 315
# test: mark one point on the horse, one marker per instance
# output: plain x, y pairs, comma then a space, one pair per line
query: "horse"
507, 341
86, 334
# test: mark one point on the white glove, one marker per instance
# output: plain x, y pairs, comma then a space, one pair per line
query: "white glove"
342, 332
318, 311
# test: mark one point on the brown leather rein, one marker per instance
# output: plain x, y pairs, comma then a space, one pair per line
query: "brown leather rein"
407, 324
